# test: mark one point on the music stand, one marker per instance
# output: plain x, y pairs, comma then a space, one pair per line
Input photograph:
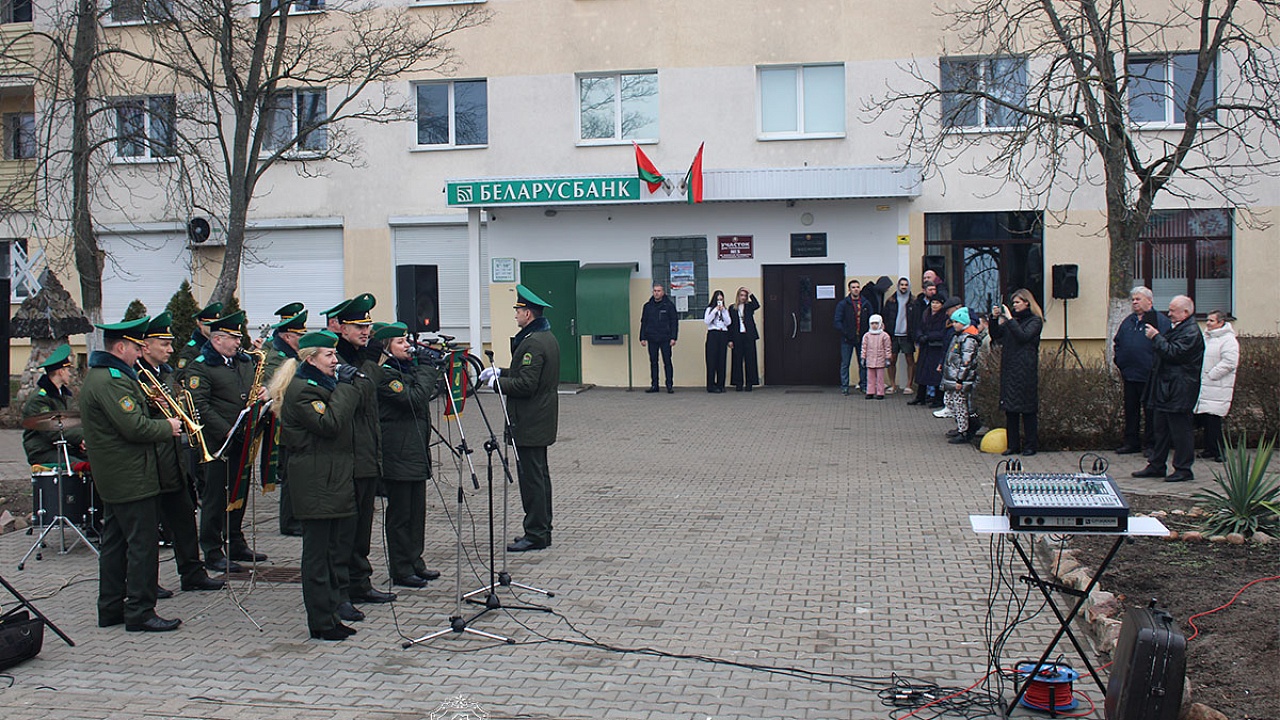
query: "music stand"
60, 521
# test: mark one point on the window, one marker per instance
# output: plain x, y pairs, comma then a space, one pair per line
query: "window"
19, 136
144, 127
15, 11
296, 116
300, 6
973, 89
1186, 252
24, 269
1160, 88
453, 113
139, 11
988, 255
672, 258
802, 100
618, 107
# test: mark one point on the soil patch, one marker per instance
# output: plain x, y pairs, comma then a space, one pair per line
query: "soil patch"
15, 496
1234, 663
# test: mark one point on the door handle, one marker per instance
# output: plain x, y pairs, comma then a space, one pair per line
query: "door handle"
795, 326
573, 326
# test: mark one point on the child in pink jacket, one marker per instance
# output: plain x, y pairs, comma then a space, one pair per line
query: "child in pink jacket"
877, 352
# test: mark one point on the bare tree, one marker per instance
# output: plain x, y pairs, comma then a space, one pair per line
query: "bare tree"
1138, 98
265, 84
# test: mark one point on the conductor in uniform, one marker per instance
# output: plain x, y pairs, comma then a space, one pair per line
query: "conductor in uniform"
530, 386
219, 380
122, 440
52, 395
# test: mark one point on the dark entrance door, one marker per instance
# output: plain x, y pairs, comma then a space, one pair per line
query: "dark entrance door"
557, 283
801, 346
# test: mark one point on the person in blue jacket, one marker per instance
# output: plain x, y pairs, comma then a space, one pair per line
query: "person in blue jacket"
1134, 354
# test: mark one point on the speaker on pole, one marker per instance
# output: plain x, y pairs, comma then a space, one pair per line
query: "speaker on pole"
418, 297
1066, 283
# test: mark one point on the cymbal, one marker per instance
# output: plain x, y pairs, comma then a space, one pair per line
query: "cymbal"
52, 421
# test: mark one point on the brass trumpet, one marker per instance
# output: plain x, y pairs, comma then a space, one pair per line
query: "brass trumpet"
160, 397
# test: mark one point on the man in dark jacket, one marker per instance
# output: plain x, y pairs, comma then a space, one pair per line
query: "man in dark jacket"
52, 395
219, 380
530, 386
1173, 389
122, 439
900, 317
405, 391
195, 344
852, 319
174, 504
659, 329
354, 331
1134, 356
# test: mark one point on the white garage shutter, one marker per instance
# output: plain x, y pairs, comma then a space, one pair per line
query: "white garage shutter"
146, 266
445, 246
287, 265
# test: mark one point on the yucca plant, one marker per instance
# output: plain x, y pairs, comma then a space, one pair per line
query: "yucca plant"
1248, 497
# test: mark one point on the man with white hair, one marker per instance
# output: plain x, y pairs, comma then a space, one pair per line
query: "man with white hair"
1133, 355
1173, 389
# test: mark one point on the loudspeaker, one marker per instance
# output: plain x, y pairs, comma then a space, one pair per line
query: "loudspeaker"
936, 263
1066, 286
418, 297
21, 638
199, 230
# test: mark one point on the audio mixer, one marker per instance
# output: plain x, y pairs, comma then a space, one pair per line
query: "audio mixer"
1062, 502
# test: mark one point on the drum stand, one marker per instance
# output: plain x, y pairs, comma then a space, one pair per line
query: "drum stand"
60, 521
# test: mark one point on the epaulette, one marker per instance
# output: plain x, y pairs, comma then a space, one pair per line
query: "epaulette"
191, 343
313, 382
42, 392
200, 358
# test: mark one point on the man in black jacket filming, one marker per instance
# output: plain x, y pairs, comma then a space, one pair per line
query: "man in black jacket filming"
659, 328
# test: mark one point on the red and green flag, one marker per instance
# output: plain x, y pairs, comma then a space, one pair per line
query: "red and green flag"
692, 183
647, 171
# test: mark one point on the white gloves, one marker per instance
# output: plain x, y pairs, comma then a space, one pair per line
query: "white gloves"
490, 375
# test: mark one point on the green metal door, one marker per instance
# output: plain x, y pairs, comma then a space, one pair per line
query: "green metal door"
557, 283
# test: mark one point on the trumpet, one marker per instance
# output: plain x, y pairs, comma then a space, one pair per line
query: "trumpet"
160, 397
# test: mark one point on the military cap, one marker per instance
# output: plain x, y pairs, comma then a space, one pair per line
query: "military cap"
318, 339
526, 298
159, 327
209, 313
290, 310
356, 310
58, 359
333, 311
131, 330
293, 323
390, 330
232, 324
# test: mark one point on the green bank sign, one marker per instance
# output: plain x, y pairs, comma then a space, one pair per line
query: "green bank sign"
548, 191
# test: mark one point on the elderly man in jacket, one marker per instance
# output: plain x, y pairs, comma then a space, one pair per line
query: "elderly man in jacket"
1173, 389
1134, 356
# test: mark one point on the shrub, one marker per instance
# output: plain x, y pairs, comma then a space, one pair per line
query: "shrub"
182, 308
135, 310
1255, 405
1248, 498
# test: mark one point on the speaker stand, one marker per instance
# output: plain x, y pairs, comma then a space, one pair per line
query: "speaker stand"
1065, 347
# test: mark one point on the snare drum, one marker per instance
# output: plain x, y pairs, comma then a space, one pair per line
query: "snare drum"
79, 500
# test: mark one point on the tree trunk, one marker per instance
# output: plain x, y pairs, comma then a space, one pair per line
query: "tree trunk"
88, 256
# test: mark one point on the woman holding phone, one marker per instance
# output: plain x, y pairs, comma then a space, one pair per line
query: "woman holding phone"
717, 319
1018, 331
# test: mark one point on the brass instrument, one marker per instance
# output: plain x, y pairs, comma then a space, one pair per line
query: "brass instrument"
159, 396
255, 389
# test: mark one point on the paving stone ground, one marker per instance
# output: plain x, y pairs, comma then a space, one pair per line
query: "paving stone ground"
787, 528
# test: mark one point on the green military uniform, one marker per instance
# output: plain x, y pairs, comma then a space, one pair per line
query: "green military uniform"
367, 450
293, 319
174, 503
405, 391
317, 430
46, 398
192, 349
122, 440
220, 386
530, 386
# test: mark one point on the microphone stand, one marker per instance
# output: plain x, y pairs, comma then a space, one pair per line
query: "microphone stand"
499, 578
459, 623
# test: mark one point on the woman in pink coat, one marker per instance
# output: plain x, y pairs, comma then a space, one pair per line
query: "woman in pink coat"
877, 353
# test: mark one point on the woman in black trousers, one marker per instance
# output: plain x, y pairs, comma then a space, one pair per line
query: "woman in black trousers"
742, 339
717, 319
1018, 330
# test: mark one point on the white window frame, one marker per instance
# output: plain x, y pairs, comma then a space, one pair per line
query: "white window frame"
14, 125
118, 105
983, 62
616, 138
297, 150
7, 12
800, 132
1166, 60
146, 16
25, 268
296, 7
451, 143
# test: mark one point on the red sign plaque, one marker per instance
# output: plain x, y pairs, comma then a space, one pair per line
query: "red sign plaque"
735, 247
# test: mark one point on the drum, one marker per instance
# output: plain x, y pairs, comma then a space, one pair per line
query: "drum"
79, 500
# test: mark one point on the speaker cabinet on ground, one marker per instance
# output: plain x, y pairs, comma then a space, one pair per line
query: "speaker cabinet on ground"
418, 297
1066, 283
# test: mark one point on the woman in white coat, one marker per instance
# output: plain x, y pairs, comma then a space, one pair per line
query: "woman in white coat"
1217, 380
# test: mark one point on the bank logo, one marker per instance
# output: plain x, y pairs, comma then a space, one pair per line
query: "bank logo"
465, 194
459, 707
